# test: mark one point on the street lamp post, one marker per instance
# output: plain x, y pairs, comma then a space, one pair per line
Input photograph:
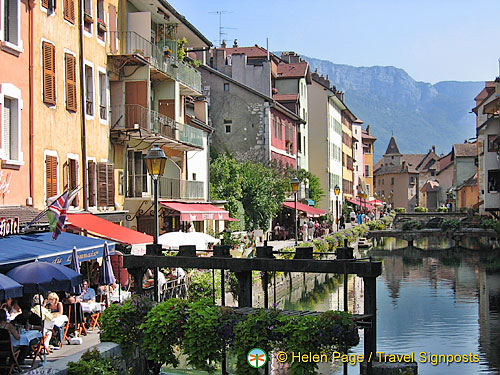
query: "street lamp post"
155, 160
336, 190
295, 188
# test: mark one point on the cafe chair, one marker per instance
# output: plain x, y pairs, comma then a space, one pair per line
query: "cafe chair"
94, 318
76, 320
7, 352
38, 350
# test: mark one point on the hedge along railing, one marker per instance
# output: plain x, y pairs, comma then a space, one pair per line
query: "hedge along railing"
330, 242
203, 331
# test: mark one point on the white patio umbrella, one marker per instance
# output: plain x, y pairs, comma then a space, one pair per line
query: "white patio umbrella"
173, 240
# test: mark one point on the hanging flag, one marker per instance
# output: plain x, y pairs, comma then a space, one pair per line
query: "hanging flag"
57, 211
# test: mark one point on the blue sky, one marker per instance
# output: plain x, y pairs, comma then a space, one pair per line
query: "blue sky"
433, 40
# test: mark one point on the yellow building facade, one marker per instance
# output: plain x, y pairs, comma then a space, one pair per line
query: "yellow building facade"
71, 130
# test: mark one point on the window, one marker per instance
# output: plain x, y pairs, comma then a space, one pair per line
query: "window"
299, 142
493, 180
492, 145
50, 176
392, 180
92, 183
11, 130
194, 177
69, 10
226, 86
89, 91
367, 171
49, 73
70, 178
87, 16
101, 24
50, 5
275, 129
105, 185
70, 72
227, 125
11, 21
103, 99
137, 174
280, 130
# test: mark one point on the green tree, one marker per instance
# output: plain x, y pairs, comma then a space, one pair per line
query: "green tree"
264, 190
316, 193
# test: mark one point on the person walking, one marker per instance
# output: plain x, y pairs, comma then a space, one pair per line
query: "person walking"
352, 215
310, 229
277, 231
304, 229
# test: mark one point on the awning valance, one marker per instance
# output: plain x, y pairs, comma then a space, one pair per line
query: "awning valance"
308, 210
107, 230
198, 211
361, 203
19, 249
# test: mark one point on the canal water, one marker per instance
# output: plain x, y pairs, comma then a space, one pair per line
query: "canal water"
429, 303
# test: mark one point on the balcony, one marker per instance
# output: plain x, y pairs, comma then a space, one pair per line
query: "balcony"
168, 188
135, 116
158, 56
191, 135
147, 125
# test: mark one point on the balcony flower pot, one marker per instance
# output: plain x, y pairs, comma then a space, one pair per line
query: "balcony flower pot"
88, 18
101, 26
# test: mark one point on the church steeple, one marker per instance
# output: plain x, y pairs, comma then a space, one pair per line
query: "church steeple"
392, 148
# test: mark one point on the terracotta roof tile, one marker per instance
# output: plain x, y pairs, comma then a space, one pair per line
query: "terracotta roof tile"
465, 149
24, 213
249, 51
286, 97
292, 70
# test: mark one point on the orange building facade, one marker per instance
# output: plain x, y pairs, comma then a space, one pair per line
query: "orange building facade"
14, 104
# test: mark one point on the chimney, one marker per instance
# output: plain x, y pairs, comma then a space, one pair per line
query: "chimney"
368, 129
235, 44
223, 44
340, 95
403, 164
434, 148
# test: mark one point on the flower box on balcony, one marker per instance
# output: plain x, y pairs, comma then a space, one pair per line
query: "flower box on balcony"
101, 26
87, 17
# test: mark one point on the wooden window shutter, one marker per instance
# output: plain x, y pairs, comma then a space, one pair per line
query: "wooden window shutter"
69, 10
45, 4
111, 184
73, 180
105, 185
71, 100
91, 169
65, 176
49, 73
51, 175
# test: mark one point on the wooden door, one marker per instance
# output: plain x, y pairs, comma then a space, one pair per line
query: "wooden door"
167, 107
136, 104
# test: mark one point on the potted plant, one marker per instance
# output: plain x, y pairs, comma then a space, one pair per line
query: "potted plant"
101, 25
87, 17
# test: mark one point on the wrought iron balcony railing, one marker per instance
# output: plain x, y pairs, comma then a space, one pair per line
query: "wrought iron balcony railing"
168, 188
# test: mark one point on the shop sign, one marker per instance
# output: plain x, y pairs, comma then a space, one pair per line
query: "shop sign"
9, 226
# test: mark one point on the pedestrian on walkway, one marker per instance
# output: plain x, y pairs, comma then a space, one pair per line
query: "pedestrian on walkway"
310, 228
304, 231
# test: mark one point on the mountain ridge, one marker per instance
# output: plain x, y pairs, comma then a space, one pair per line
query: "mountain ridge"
419, 113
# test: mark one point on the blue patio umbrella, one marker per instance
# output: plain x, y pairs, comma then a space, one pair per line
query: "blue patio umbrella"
9, 288
106, 276
42, 277
75, 266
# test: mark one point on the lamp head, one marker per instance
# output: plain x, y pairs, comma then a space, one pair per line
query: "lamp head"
156, 160
336, 190
295, 184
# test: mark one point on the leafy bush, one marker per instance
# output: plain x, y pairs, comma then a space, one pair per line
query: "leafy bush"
163, 330
201, 285
412, 224
120, 322
442, 209
92, 363
400, 210
450, 225
420, 209
491, 224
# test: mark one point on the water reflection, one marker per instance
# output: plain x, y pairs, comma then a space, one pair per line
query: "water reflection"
438, 302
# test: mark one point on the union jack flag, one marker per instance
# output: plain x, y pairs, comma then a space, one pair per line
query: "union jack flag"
59, 209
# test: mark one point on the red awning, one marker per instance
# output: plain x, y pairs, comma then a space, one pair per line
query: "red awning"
308, 210
376, 202
105, 229
198, 211
361, 203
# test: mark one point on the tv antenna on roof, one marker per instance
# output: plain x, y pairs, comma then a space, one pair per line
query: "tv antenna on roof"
222, 28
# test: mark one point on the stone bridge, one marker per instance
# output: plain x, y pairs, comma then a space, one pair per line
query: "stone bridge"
456, 237
426, 217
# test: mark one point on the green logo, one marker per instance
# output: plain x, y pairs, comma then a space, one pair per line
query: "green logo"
256, 358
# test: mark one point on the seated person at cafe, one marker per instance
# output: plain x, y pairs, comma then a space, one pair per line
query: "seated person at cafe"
46, 316
11, 307
14, 332
88, 294
29, 321
53, 305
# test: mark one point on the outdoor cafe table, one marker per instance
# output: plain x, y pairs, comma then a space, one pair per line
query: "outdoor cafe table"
60, 320
92, 307
26, 337
123, 295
